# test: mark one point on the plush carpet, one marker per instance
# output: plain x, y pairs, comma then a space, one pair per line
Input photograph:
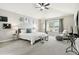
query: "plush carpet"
22, 47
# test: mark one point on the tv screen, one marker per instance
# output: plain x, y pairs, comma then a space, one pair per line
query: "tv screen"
6, 26
3, 19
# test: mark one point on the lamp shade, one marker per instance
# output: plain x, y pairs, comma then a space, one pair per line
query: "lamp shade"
75, 30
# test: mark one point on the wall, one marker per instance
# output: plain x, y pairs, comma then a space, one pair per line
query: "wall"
13, 19
28, 22
6, 34
68, 22
41, 25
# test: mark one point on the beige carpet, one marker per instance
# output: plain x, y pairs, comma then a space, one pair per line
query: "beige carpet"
21, 47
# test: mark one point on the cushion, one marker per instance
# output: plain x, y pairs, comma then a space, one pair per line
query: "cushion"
28, 30
59, 38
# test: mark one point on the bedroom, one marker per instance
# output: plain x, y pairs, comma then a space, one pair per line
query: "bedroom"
20, 22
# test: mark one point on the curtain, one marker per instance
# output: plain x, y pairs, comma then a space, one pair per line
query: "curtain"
77, 23
45, 26
76, 29
60, 25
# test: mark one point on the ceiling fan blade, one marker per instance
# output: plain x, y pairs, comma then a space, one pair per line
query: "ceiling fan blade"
42, 4
46, 8
39, 3
47, 4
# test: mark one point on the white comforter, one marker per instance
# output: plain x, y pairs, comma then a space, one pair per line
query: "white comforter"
32, 36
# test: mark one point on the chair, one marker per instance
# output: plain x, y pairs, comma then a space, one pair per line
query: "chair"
62, 36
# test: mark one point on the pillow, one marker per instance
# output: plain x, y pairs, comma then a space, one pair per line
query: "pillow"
23, 31
34, 30
28, 30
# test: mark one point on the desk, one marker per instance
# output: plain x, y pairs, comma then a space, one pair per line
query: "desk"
72, 48
77, 43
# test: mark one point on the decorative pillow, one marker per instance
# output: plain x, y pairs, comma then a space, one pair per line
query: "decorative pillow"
28, 30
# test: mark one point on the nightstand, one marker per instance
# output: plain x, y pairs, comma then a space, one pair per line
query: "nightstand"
15, 36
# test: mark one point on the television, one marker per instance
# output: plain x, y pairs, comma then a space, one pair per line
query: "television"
6, 26
3, 19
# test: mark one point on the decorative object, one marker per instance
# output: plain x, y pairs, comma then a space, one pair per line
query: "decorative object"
6, 26
3, 19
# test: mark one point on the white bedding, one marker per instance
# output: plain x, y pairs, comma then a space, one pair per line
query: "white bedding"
32, 36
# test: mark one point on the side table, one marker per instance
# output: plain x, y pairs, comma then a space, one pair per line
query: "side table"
15, 36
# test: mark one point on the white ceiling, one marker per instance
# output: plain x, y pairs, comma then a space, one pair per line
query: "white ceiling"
28, 9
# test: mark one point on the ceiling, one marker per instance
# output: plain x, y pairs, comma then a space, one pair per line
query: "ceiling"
28, 9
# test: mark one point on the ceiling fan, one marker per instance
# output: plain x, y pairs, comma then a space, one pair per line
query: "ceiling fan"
42, 6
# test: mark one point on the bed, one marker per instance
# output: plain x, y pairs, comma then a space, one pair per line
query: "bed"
32, 37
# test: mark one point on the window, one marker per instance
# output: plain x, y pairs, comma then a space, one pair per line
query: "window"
53, 25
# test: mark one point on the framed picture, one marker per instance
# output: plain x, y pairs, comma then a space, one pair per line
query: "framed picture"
21, 19
6, 26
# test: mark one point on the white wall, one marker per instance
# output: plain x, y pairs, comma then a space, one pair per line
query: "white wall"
13, 19
6, 34
41, 25
29, 22
68, 22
